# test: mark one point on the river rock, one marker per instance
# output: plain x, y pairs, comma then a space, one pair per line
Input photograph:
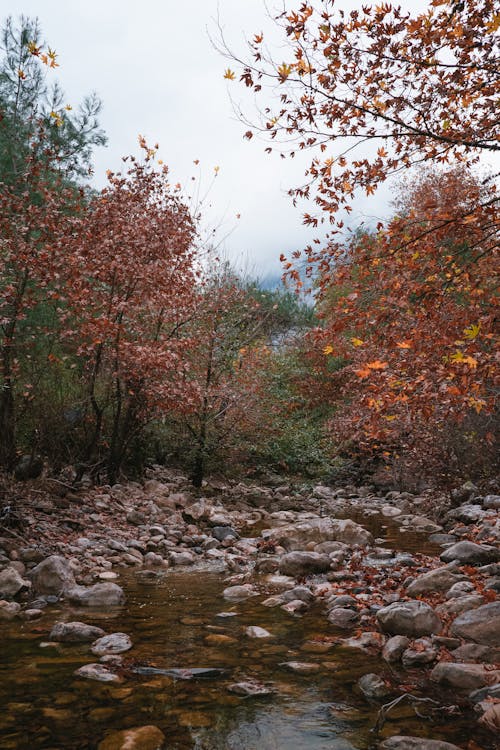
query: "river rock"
316, 530
403, 742
302, 667
9, 610
420, 653
343, 617
298, 592
250, 688
294, 607
394, 648
491, 502
373, 687
147, 737
114, 643
238, 593
413, 618
74, 632
52, 576
11, 583
465, 676
98, 595
475, 652
255, 632
97, 672
224, 532
299, 563
181, 558
481, 625
460, 589
460, 604
441, 579
470, 553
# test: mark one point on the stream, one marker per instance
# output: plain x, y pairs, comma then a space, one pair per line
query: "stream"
176, 621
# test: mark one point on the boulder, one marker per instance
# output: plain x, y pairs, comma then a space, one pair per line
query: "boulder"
147, 737
373, 687
465, 676
114, 643
394, 648
470, 553
343, 617
75, 632
11, 583
401, 742
53, 575
298, 564
317, 530
98, 595
97, 672
441, 579
412, 618
481, 625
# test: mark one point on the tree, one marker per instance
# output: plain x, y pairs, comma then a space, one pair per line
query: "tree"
42, 147
131, 292
410, 329
420, 88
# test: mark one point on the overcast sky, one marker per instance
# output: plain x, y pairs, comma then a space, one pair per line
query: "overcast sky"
157, 73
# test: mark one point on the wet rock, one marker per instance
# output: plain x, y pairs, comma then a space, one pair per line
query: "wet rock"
420, 653
441, 579
238, 593
373, 687
317, 530
301, 563
343, 617
490, 691
298, 592
98, 595
274, 601
394, 648
32, 614
147, 737
403, 742
294, 607
114, 643
481, 625
153, 560
469, 553
419, 523
465, 676
9, 610
11, 583
365, 642
194, 673
219, 639
97, 672
255, 632
250, 689
301, 667
412, 618
53, 575
181, 558
75, 632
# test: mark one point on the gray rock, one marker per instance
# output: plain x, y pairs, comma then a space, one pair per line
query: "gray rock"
253, 631
420, 653
491, 691
464, 676
302, 667
11, 583
52, 576
294, 607
223, 532
298, 592
238, 593
403, 742
469, 553
316, 530
441, 579
373, 687
98, 595
460, 604
475, 652
97, 672
491, 502
250, 688
394, 648
301, 563
181, 558
460, 589
466, 514
412, 618
114, 643
343, 617
481, 625
74, 632
9, 610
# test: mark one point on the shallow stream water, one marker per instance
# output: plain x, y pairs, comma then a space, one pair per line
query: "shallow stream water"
172, 621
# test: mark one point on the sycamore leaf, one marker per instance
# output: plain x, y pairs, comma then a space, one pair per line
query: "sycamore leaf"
328, 349
229, 75
472, 331
357, 342
284, 70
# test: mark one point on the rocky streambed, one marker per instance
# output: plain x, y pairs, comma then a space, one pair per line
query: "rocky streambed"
145, 617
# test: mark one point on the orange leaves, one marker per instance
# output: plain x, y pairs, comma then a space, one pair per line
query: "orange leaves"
284, 71
368, 369
229, 75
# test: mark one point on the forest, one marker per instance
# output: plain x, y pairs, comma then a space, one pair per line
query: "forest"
144, 377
